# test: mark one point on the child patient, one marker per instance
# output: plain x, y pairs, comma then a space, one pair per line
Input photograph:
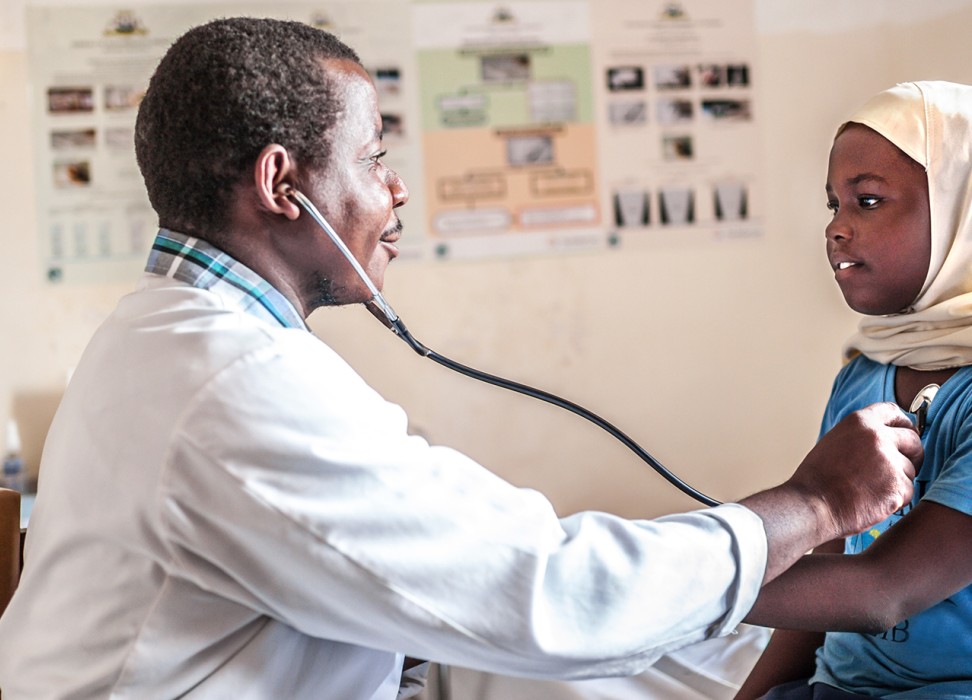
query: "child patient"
899, 185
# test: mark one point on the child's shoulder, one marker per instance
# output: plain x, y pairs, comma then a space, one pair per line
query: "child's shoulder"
859, 383
862, 371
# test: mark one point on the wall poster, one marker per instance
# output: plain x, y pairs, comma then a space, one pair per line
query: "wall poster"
508, 126
678, 136
89, 67
531, 126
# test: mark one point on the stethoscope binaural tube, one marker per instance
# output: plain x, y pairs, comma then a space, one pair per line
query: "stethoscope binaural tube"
383, 311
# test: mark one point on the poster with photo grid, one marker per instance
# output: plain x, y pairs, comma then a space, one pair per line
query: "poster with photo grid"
523, 127
89, 66
678, 139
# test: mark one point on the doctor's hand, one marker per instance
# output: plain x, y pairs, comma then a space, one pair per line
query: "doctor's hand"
857, 475
862, 470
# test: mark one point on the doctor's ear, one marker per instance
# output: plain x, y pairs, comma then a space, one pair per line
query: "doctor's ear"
274, 172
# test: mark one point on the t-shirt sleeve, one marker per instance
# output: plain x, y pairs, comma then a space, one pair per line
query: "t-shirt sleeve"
953, 486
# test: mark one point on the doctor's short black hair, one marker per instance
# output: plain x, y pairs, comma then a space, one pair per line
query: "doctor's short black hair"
222, 92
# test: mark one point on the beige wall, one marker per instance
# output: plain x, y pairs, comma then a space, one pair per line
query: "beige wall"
717, 357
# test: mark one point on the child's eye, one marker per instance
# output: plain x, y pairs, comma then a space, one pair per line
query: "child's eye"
867, 201
833, 205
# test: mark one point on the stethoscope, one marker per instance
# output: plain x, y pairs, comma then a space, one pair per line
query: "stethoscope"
383, 311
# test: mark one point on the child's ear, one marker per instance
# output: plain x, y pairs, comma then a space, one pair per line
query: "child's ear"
273, 175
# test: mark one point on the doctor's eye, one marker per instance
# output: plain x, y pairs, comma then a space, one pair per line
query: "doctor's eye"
376, 159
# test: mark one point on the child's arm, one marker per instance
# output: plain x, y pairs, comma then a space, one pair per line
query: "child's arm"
921, 560
790, 654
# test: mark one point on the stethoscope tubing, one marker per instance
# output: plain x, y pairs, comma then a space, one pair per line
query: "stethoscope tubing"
383, 311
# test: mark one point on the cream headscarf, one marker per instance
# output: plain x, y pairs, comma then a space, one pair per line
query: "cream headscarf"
932, 123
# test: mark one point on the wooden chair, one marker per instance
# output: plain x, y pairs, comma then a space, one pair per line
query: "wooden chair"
10, 545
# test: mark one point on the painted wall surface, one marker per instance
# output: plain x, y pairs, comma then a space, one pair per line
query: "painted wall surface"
718, 358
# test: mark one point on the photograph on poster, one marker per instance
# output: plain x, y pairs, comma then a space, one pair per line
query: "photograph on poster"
676, 206
70, 100
632, 208
726, 110
674, 111
711, 75
120, 98
625, 78
737, 75
392, 124
505, 67
532, 149
676, 148
67, 139
75, 173
673, 77
730, 201
627, 113
388, 81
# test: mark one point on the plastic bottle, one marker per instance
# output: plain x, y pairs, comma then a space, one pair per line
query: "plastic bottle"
14, 476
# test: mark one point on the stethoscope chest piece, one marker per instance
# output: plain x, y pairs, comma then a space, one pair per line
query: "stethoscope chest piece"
921, 403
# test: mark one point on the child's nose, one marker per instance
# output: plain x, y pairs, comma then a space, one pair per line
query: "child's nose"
837, 229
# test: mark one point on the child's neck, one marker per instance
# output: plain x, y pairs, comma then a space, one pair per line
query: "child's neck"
908, 382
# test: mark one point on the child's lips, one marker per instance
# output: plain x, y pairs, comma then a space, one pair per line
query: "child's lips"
840, 260
844, 267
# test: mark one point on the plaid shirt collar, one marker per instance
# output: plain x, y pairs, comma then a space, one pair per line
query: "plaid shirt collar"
202, 265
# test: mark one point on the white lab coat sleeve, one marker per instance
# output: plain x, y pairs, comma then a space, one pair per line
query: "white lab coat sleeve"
294, 489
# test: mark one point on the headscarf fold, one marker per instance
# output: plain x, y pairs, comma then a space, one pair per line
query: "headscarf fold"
932, 123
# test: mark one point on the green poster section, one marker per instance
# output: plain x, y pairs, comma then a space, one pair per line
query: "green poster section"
453, 81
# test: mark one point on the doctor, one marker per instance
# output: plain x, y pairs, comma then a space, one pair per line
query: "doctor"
226, 509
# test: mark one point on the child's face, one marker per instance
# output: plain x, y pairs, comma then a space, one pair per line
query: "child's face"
879, 241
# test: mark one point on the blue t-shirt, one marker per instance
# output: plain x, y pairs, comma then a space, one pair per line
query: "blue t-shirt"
928, 655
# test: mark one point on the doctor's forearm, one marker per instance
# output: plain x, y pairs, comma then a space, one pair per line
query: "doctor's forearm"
795, 522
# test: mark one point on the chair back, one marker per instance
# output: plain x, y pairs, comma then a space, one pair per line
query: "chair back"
9, 545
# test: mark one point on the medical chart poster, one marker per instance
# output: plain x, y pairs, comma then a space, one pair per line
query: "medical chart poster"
678, 137
523, 127
509, 135
89, 67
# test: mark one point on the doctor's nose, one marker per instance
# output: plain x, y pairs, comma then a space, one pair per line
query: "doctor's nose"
397, 188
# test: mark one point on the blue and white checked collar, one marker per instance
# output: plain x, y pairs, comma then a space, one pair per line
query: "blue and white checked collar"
196, 262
